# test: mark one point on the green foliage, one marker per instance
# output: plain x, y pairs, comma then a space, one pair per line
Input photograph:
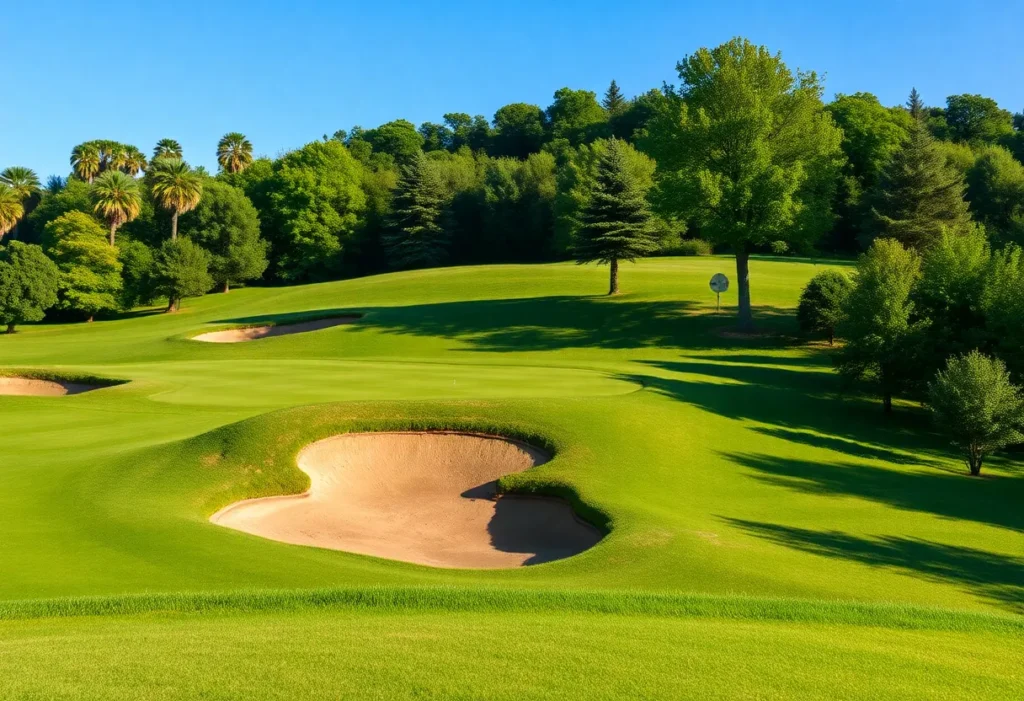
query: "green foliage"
23, 181
398, 139
995, 188
690, 247
747, 152
234, 152
615, 222
517, 208
315, 203
167, 148
471, 132
117, 199
882, 336
519, 130
90, 272
11, 209
181, 270
822, 303
977, 406
415, 238
918, 195
226, 224
1003, 304
175, 187
75, 196
614, 103
28, 284
138, 271
576, 116
975, 119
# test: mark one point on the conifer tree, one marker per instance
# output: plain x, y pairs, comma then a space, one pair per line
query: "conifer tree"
613, 102
918, 195
615, 223
915, 105
416, 238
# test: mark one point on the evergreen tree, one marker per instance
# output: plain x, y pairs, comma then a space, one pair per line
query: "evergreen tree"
915, 105
616, 222
415, 238
613, 102
918, 195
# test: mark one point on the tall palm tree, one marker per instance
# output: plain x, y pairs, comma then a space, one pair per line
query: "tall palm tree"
176, 187
133, 161
167, 148
234, 152
23, 181
85, 159
11, 209
55, 184
117, 199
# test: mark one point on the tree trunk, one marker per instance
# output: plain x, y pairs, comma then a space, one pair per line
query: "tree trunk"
227, 286
831, 337
974, 459
89, 320
113, 234
887, 402
14, 232
173, 304
746, 317
10, 328
174, 226
613, 283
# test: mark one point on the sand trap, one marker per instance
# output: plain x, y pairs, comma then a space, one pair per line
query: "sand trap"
427, 498
253, 333
31, 387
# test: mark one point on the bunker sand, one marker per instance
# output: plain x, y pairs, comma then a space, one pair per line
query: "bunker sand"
427, 498
31, 387
253, 333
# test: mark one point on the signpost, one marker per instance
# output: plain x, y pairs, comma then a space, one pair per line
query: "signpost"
719, 284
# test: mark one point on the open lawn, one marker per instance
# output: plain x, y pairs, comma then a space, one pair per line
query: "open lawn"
767, 536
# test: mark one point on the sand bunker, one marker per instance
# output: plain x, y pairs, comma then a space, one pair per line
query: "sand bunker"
30, 387
253, 333
427, 498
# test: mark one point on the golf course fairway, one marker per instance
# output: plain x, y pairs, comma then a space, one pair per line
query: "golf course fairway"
766, 534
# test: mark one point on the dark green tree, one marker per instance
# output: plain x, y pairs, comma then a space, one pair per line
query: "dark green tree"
823, 301
879, 326
976, 405
918, 195
745, 151
519, 130
415, 238
915, 105
472, 132
616, 222
614, 103
399, 139
995, 189
576, 116
28, 284
181, 269
977, 120
1003, 305
226, 224
138, 271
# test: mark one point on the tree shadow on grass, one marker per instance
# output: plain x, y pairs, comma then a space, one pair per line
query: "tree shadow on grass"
563, 322
999, 578
947, 495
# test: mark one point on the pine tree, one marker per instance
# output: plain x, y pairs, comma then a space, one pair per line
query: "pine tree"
915, 105
918, 195
615, 223
614, 103
415, 238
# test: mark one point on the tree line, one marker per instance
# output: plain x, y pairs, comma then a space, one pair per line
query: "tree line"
744, 155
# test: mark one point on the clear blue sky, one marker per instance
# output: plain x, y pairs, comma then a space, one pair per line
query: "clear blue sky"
285, 73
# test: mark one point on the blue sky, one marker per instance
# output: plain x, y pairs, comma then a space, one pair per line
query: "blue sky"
285, 73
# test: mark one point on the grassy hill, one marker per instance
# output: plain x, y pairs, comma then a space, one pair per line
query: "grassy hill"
768, 537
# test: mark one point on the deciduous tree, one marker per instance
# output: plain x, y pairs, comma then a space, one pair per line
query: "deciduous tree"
28, 284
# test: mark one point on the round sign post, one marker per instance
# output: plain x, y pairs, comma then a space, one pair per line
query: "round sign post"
719, 284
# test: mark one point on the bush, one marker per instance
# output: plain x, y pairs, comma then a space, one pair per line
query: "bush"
691, 247
821, 303
975, 404
779, 248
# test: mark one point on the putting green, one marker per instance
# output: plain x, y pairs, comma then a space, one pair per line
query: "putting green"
720, 466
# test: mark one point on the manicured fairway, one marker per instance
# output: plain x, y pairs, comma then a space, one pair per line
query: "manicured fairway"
721, 466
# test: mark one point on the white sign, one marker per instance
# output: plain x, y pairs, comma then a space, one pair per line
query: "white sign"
719, 283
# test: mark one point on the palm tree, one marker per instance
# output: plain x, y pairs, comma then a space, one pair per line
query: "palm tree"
117, 199
167, 148
133, 161
55, 184
234, 152
85, 159
23, 181
175, 187
11, 209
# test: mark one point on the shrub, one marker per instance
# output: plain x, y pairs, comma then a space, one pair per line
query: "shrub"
779, 248
975, 404
821, 303
691, 247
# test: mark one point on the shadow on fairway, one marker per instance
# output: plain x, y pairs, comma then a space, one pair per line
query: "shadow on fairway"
999, 578
556, 323
286, 318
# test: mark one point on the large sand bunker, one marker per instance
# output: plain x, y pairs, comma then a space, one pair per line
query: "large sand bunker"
427, 498
32, 387
252, 333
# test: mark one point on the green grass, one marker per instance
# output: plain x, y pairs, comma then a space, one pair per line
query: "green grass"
728, 472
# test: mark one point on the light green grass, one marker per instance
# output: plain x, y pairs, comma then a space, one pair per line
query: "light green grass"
722, 467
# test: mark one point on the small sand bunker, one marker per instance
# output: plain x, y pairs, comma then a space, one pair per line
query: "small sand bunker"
427, 498
31, 387
253, 333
